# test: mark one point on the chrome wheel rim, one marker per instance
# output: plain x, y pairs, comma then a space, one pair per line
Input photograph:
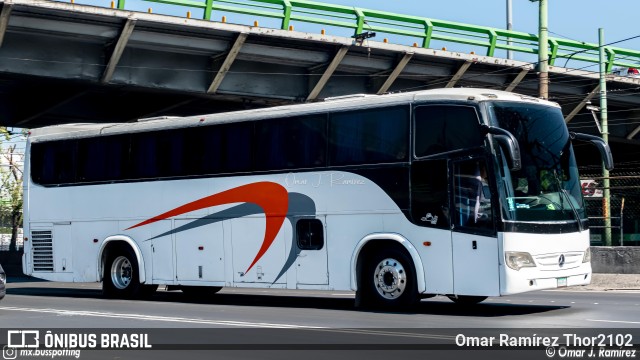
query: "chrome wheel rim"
121, 272
390, 278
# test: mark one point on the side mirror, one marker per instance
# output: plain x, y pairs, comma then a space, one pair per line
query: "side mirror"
509, 145
603, 147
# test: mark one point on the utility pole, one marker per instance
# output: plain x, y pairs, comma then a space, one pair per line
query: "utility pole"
509, 26
606, 199
543, 50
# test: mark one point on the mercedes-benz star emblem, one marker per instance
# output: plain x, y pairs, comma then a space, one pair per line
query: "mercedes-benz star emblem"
561, 260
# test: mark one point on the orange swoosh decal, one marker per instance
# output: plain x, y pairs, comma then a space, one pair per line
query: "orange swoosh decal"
271, 197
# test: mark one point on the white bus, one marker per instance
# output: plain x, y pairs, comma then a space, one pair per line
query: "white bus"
467, 193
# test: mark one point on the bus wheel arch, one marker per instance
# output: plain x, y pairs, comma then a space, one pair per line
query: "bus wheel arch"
121, 269
395, 258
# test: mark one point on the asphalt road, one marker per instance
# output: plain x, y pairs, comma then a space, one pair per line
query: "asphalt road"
320, 321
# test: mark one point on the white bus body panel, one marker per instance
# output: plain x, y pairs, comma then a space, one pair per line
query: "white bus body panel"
358, 208
475, 265
352, 209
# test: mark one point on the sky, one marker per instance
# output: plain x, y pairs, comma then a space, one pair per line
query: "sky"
574, 19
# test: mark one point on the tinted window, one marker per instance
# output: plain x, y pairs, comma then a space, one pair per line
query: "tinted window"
103, 159
210, 150
472, 196
202, 153
369, 136
237, 147
429, 193
442, 128
54, 162
156, 154
310, 234
291, 143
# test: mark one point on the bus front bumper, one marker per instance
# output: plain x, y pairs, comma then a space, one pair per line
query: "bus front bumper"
531, 279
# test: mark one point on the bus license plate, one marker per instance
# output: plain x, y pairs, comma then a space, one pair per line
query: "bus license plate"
562, 282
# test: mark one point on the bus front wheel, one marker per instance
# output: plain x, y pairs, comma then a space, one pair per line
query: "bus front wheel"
120, 278
388, 279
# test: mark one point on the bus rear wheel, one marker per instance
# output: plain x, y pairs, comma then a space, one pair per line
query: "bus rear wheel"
388, 279
120, 277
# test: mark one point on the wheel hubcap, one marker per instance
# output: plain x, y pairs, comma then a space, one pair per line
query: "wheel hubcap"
390, 278
121, 272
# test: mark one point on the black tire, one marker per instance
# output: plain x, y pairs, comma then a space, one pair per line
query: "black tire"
466, 299
200, 291
387, 280
120, 276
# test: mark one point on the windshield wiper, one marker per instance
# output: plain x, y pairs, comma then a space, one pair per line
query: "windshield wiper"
566, 196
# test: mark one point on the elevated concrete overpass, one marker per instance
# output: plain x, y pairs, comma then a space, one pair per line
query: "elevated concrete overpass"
64, 62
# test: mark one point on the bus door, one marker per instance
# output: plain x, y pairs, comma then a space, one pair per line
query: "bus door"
474, 242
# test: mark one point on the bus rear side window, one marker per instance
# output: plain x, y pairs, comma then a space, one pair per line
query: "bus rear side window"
53, 163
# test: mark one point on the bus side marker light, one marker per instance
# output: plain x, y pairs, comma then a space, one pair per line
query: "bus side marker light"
95, 241
200, 248
26, 239
427, 243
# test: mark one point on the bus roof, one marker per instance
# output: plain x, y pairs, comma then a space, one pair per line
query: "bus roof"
359, 101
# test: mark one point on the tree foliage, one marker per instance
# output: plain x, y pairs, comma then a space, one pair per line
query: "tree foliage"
11, 172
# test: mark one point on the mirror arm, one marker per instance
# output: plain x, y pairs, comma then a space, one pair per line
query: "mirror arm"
509, 142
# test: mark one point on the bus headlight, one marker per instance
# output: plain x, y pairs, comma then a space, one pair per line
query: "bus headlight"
518, 260
587, 256
3, 278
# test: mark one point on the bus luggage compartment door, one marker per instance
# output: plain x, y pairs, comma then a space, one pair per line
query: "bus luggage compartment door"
199, 252
248, 237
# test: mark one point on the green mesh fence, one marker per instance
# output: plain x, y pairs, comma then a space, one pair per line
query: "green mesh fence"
623, 185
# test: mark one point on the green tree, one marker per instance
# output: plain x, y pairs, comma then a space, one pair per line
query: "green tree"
11, 173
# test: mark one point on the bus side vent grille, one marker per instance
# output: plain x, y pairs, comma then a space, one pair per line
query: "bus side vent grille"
42, 249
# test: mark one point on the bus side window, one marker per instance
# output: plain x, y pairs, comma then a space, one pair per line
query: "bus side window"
310, 234
443, 128
290, 143
370, 136
472, 195
429, 193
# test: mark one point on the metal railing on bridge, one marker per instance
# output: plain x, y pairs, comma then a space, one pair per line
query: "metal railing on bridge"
359, 20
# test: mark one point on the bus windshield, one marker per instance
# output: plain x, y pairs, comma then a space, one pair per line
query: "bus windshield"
547, 188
